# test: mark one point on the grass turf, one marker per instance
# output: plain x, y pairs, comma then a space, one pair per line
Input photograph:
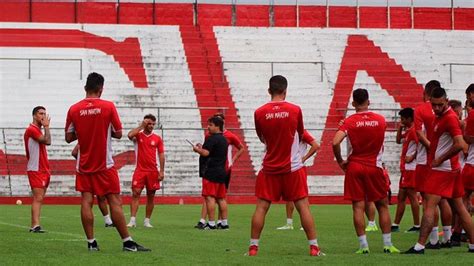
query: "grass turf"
174, 241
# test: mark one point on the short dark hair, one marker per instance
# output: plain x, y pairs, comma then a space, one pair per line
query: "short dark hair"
455, 103
150, 116
217, 121
432, 84
407, 112
37, 108
221, 115
360, 96
470, 88
277, 84
95, 82
438, 93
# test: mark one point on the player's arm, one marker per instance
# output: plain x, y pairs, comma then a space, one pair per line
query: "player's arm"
336, 148
399, 134
458, 144
134, 132
240, 150
117, 134
46, 138
314, 147
410, 158
257, 129
199, 149
422, 138
161, 157
75, 151
468, 138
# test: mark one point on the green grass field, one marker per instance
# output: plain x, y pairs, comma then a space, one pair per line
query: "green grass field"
175, 242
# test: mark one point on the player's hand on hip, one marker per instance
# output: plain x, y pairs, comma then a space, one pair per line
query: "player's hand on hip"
343, 165
436, 162
162, 176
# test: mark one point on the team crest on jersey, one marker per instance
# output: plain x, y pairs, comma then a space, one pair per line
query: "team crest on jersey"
276, 107
152, 143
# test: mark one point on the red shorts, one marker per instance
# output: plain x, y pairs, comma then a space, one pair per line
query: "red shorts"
213, 189
407, 180
99, 183
364, 182
148, 178
468, 177
444, 184
38, 179
421, 174
291, 186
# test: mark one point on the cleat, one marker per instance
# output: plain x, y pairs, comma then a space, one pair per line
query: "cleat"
301, 229
109, 225
223, 227
413, 229
132, 246
413, 251
315, 251
219, 225
446, 244
470, 250
286, 227
363, 251
37, 229
209, 227
200, 225
371, 228
456, 240
431, 246
147, 225
393, 229
131, 225
253, 250
390, 249
93, 246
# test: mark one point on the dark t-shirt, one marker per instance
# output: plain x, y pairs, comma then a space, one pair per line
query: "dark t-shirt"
212, 167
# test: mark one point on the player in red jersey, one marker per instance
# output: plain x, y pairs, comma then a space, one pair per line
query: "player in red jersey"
93, 122
38, 164
407, 170
444, 180
364, 179
424, 118
279, 125
101, 200
148, 146
307, 139
234, 142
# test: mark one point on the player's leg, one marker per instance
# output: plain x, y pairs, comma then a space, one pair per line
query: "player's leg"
87, 218
307, 222
150, 205
385, 225
358, 213
223, 212
402, 196
211, 212
258, 222
290, 207
465, 220
202, 221
102, 202
38, 196
415, 210
134, 204
370, 213
446, 220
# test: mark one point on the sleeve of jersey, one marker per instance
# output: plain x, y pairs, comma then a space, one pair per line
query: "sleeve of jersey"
116, 124
235, 141
257, 126
69, 125
345, 125
454, 127
161, 146
34, 134
307, 137
470, 124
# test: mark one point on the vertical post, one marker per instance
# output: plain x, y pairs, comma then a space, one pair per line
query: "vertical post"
450, 73
271, 14
412, 12
452, 14
271, 67
195, 12
31, 10
29, 68
8, 164
118, 12
388, 16
162, 182
234, 13
75, 11
154, 12
297, 14
357, 14
322, 65
327, 13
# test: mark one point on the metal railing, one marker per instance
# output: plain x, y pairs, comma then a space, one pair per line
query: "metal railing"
29, 60
451, 68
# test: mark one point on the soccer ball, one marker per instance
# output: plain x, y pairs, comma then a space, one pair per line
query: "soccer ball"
19, 202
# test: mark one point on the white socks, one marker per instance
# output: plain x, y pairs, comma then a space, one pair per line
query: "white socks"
224, 222
419, 247
446, 233
133, 220
90, 241
212, 223
434, 238
202, 221
371, 223
289, 221
254, 242
363, 241
313, 242
107, 219
127, 239
387, 239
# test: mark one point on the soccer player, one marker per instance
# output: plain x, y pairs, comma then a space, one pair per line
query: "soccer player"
93, 122
148, 146
38, 165
407, 170
364, 179
424, 119
234, 142
214, 174
279, 125
102, 201
307, 139
444, 179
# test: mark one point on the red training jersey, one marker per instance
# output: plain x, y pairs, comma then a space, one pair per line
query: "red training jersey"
35, 152
424, 118
409, 149
365, 136
147, 148
93, 120
469, 131
445, 128
279, 126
